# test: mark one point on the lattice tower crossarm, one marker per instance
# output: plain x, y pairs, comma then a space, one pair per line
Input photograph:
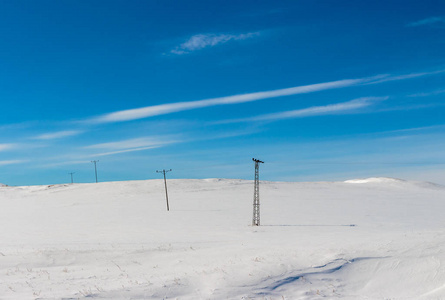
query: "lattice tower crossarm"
256, 195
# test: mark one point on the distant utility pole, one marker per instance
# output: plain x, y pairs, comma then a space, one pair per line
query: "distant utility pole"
256, 194
95, 167
72, 181
165, 184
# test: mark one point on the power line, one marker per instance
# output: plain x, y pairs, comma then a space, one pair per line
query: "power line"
165, 184
256, 194
95, 167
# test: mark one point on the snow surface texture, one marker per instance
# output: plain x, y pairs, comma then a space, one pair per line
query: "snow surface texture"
374, 239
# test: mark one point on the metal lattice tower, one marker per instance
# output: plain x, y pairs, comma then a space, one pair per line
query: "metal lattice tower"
256, 194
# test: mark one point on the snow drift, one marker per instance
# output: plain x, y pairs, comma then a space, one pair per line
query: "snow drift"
376, 239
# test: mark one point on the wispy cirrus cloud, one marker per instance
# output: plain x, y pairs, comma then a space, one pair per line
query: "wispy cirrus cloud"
162, 109
57, 135
428, 21
415, 129
433, 93
16, 126
201, 41
4, 147
131, 145
405, 76
331, 109
63, 163
124, 151
10, 162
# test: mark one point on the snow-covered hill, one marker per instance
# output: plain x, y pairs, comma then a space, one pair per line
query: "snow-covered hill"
377, 238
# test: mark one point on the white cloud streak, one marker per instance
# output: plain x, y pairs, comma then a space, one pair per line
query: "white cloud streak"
331, 109
64, 163
150, 111
405, 76
433, 93
124, 151
427, 21
162, 109
133, 143
16, 126
424, 128
10, 162
4, 147
57, 135
201, 41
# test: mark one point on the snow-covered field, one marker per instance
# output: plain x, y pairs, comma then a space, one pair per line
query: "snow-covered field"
361, 239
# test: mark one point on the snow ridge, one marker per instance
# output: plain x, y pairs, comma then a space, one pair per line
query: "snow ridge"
388, 181
376, 180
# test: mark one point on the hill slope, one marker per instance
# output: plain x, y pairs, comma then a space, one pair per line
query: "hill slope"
376, 238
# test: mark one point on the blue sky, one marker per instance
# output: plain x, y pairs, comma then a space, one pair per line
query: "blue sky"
319, 90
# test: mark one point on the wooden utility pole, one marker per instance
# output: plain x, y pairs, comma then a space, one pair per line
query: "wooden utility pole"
165, 184
72, 180
95, 167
